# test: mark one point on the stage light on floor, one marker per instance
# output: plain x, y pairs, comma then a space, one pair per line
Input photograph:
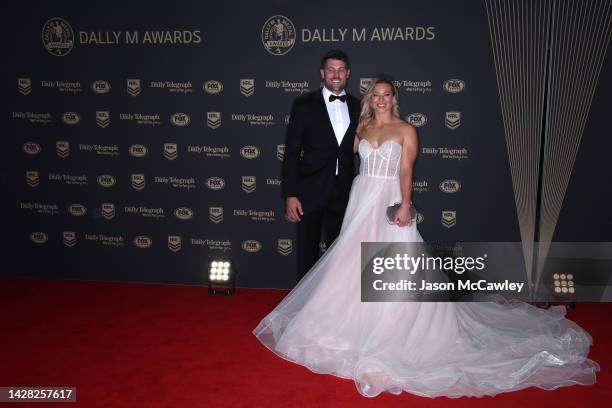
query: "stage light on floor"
221, 276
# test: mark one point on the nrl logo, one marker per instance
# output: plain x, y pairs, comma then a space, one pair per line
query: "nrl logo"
215, 214
69, 238
24, 86
449, 218
133, 87
108, 210
285, 246
213, 119
170, 151
103, 118
32, 178
174, 243
280, 152
138, 181
62, 148
364, 85
247, 87
248, 184
452, 119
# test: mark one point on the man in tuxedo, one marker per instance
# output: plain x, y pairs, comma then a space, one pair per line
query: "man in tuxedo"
318, 169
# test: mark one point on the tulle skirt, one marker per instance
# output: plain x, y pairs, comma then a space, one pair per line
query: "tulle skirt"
428, 349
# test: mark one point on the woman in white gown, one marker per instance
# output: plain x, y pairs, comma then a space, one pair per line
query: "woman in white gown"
428, 349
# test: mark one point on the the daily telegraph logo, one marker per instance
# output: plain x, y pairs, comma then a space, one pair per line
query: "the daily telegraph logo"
249, 152
215, 214
364, 85
108, 210
183, 213
248, 184
278, 35
180, 119
212, 87
453, 85
449, 218
251, 245
247, 87
71, 118
213, 119
69, 238
285, 246
450, 186
174, 243
452, 119
100, 87
280, 152
133, 87
57, 37
39, 237
24, 86
417, 119
31, 148
77, 210
138, 150
215, 183
103, 118
455, 153
170, 151
32, 178
142, 241
106, 180
138, 181
62, 148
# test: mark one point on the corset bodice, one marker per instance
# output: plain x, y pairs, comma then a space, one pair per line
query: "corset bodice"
383, 161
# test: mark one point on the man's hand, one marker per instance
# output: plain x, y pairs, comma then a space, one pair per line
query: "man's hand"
293, 208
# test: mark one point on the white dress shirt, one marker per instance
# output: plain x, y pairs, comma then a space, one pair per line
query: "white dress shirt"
338, 116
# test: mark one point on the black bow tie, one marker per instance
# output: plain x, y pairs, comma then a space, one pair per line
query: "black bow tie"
341, 98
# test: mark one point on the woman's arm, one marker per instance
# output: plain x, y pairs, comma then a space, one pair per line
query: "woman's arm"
410, 148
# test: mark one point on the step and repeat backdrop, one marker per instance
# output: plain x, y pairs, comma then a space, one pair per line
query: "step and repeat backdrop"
142, 140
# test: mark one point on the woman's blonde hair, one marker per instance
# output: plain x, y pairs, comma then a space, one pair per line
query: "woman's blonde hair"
367, 114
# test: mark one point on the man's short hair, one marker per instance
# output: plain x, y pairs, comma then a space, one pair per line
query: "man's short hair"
335, 54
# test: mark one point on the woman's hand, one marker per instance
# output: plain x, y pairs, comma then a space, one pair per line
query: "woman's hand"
402, 216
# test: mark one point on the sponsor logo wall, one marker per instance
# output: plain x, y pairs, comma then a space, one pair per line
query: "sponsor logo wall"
139, 153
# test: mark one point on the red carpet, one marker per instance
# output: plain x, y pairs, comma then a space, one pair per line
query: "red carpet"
142, 345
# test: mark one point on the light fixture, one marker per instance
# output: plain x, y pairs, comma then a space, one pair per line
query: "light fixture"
221, 276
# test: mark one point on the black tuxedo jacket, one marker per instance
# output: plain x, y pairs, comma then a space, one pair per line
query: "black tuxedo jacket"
311, 151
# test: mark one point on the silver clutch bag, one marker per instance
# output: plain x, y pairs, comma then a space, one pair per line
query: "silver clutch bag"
392, 209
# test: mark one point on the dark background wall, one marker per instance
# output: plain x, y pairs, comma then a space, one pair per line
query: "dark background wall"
186, 44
